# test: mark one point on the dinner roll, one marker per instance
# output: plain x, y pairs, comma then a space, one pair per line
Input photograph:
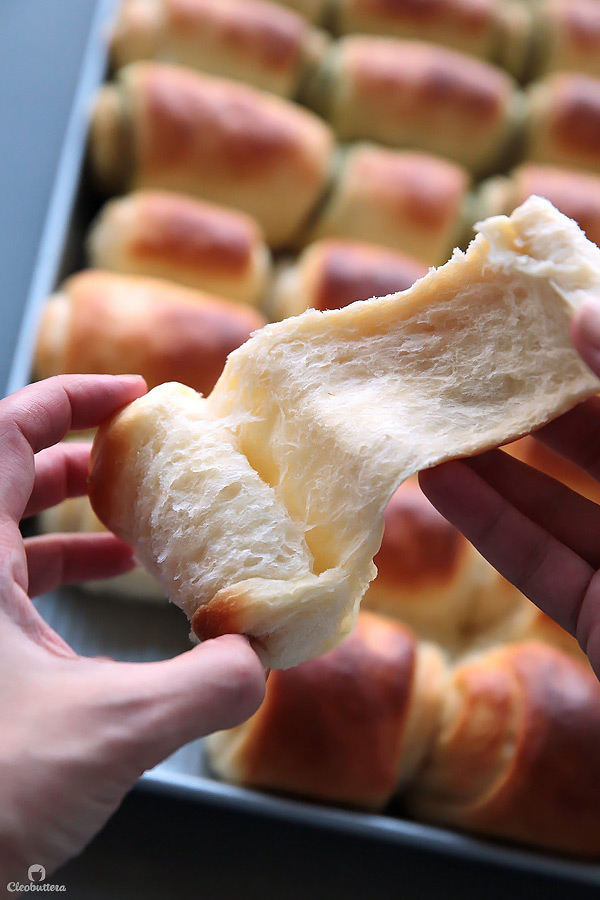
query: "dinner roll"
260, 508
408, 201
168, 127
164, 235
248, 40
517, 754
103, 323
411, 94
349, 727
331, 274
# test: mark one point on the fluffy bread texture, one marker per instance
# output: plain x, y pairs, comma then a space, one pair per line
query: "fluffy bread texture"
260, 508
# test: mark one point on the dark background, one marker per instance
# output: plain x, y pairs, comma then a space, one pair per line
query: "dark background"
156, 846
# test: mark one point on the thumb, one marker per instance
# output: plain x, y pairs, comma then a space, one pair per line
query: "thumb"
167, 704
585, 334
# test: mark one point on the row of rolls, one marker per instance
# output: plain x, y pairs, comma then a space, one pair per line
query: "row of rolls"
254, 161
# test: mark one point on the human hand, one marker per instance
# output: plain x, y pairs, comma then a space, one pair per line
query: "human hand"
542, 536
78, 732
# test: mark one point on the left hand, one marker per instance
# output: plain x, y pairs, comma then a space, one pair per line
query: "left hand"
76, 733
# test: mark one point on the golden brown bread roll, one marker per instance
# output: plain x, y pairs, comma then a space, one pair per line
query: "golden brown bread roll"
164, 235
317, 419
99, 322
314, 10
576, 194
331, 274
168, 127
408, 201
567, 37
494, 30
517, 752
563, 123
348, 727
419, 95
247, 40
76, 515
432, 579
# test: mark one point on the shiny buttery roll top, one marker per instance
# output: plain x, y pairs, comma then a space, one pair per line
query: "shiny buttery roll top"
348, 727
100, 323
260, 508
563, 123
517, 753
419, 95
331, 274
167, 127
172, 236
576, 194
495, 30
248, 40
408, 201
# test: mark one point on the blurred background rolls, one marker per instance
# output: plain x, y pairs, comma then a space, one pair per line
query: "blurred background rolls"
167, 127
330, 274
248, 40
103, 323
172, 236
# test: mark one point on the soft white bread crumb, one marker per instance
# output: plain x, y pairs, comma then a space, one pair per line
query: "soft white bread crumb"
260, 508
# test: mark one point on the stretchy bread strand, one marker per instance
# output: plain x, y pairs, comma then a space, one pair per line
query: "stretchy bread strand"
253, 41
260, 508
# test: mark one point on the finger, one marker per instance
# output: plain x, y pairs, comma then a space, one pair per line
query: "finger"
585, 334
60, 472
55, 559
40, 415
570, 518
576, 436
553, 576
213, 686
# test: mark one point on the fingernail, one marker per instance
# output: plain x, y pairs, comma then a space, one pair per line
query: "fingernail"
588, 323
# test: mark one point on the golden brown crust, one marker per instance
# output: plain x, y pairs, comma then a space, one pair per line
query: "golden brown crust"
352, 272
333, 728
518, 757
407, 201
407, 93
228, 143
569, 37
564, 122
149, 326
419, 546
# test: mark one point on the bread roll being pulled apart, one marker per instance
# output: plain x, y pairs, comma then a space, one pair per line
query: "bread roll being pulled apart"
260, 508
